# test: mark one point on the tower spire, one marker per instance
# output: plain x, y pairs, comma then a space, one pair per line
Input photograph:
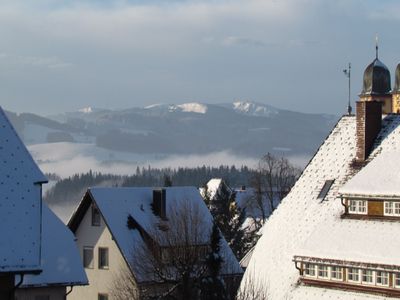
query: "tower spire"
376, 45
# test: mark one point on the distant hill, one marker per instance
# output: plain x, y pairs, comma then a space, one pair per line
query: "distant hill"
243, 128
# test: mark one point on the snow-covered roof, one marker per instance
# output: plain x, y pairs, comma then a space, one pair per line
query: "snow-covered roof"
213, 185
305, 225
20, 203
116, 204
380, 178
60, 262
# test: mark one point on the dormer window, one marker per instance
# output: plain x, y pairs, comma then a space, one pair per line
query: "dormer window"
358, 207
392, 208
95, 216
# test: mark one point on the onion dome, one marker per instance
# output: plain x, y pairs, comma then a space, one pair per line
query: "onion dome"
376, 79
396, 88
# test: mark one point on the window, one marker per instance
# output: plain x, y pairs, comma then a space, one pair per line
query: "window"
337, 273
358, 206
103, 258
88, 257
368, 276
309, 270
95, 216
323, 271
392, 208
325, 189
353, 275
102, 297
382, 278
396, 280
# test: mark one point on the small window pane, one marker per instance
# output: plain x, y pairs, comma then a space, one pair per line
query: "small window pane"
103, 258
103, 297
323, 271
325, 189
382, 278
397, 280
95, 216
88, 257
354, 274
336, 273
367, 276
309, 269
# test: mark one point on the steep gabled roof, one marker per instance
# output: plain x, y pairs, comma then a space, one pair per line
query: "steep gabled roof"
379, 179
20, 203
305, 225
116, 204
61, 262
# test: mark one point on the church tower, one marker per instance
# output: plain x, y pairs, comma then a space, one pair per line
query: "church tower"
396, 91
376, 84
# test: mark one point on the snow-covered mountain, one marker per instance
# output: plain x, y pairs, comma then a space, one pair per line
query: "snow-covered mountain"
246, 128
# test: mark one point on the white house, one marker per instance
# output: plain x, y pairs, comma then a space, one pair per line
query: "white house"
335, 234
117, 229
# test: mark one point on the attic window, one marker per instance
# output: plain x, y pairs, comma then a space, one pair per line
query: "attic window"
325, 189
95, 216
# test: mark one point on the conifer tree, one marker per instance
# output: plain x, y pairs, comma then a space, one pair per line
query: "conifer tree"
213, 286
229, 218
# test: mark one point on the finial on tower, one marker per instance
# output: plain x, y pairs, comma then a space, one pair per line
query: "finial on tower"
376, 45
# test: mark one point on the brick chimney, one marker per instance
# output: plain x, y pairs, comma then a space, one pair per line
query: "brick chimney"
368, 122
159, 203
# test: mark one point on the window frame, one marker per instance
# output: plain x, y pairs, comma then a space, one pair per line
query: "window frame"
326, 271
96, 217
353, 274
364, 274
390, 207
355, 206
91, 249
308, 267
101, 255
396, 277
379, 275
334, 271
101, 295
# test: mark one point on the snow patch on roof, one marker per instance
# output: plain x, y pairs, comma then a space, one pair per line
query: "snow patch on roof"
381, 177
61, 262
20, 203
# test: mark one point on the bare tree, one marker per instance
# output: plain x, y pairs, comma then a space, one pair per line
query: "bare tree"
171, 258
272, 181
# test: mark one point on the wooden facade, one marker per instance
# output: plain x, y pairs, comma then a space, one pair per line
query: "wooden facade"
375, 210
344, 283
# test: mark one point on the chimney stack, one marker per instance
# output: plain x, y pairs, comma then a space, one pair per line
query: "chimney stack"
159, 203
368, 122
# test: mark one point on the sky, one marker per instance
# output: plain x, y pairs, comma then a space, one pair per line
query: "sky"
62, 55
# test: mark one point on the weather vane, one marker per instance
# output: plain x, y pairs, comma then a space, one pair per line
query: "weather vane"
347, 72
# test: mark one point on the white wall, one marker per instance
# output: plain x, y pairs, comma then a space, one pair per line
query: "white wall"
55, 293
100, 280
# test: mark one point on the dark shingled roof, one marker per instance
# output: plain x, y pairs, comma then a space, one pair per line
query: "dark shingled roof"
376, 79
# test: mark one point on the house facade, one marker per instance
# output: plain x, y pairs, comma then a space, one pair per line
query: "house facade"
126, 235
334, 235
